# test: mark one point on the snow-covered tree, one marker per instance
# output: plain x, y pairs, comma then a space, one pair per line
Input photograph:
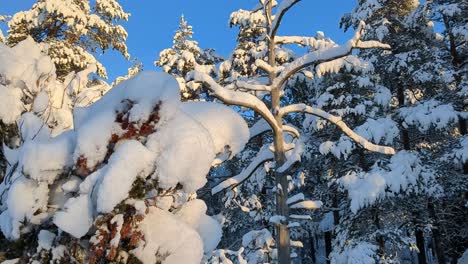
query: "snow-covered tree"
2, 20
136, 68
109, 187
185, 55
72, 31
287, 153
418, 79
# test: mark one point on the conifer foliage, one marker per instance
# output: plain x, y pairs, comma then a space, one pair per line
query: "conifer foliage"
74, 31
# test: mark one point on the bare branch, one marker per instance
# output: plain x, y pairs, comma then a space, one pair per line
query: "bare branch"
340, 124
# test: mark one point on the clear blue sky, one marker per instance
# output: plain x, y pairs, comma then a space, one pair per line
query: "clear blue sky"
153, 22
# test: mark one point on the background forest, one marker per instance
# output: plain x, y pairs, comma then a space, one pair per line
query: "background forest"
291, 149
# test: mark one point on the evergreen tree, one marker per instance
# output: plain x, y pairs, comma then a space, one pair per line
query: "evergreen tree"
185, 55
72, 31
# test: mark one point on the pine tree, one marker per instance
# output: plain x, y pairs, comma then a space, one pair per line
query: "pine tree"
185, 55
72, 31
418, 77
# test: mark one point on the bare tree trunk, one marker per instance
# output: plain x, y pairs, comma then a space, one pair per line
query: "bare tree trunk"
282, 234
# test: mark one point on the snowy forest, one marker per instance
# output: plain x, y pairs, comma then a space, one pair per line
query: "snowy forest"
290, 149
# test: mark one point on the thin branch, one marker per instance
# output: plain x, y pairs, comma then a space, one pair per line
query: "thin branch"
263, 156
340, 124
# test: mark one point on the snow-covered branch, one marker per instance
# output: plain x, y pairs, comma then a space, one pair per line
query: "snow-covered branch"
315, 43
242, 85
326, 55
336, 120
263, 155
235, 97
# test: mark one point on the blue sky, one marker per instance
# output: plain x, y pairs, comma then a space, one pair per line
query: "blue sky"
153, 22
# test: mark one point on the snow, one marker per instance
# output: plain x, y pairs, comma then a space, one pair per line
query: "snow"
193, 213
308, 205
159, 229
72, 184
326, 55
231, 131
336, 120
118, 221
10, 109
128, 161
362, 253
77, 216
314, 43
349, 63
45, 239
189, 132
43, 161
235, 97
431, 113
259, 127
11, 261
405, 173
263, 155
277, 219
301, 217
32, 127
460, 153
295, 198
292, 157
327, 222
464, 258
257, 238
183, 137
25, 197
210, 232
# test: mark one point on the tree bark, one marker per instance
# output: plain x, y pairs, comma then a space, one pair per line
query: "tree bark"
436, 233
312, 246
380, 239
419, 234
328, 245
282, 231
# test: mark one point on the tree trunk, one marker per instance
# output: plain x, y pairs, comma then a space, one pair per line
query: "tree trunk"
436, 234
328, 245
380, 239
312, 247
329, 234
462, 125
282, 231
419, 234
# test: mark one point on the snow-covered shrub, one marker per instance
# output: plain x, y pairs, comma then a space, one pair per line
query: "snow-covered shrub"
119, 182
